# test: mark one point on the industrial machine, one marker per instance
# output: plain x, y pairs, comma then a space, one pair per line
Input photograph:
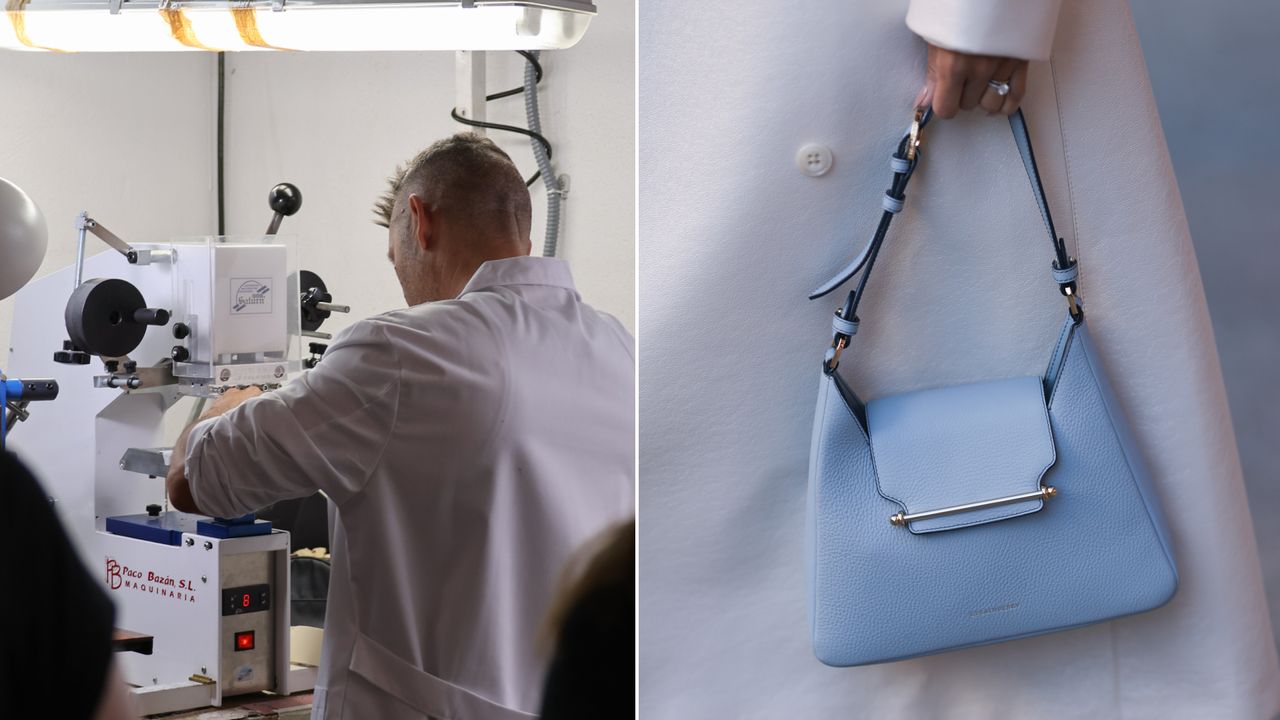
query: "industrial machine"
146, 326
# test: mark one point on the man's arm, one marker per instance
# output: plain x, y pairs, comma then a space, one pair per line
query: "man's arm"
176, 482
324, 431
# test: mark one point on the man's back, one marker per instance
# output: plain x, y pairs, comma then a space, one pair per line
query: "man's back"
470, 447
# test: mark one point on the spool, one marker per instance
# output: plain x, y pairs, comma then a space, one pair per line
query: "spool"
100, 317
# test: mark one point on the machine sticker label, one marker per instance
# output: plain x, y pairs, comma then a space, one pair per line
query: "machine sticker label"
123, 577
250, 296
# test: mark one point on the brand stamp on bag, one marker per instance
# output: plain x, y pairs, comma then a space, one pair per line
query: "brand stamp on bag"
993, 610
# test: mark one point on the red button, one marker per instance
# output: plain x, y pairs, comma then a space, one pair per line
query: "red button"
244, 640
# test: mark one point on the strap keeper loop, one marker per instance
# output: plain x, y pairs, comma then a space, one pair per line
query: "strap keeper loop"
891, 203
844, 327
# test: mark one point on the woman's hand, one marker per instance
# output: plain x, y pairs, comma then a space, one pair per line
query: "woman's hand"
956, 81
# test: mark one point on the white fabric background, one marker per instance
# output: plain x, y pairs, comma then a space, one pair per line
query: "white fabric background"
733, 236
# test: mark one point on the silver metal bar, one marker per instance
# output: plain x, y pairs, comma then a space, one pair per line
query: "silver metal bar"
333, 308
108, 237
274, 226
317, 334
82, 225
901, 519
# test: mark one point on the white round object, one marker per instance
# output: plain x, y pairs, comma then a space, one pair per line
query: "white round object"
814, 159
23, 238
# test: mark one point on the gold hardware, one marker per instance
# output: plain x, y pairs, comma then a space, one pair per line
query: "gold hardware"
839, 346
1072, 304
917, 134
901, 519
202, 679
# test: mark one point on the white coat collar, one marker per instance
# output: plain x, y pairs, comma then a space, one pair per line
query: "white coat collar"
521, 271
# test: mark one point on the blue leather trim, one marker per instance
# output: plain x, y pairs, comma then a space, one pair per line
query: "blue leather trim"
1059, 354
959, 444
844, 327
899, 165
891, 204
1124, 435
843, 276
1065, 275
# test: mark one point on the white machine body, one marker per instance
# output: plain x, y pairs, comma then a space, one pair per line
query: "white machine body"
240, 301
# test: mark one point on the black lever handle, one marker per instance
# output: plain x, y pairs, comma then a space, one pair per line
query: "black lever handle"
285, 199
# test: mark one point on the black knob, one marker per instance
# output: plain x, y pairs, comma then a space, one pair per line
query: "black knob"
130, 366
181, 330
285, 199
71, 355
151, 316
111, 365
316, 348
153, 510
179, 353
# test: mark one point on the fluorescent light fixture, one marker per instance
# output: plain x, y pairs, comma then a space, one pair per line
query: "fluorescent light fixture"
168, 25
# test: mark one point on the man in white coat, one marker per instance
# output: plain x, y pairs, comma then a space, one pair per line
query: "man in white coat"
469, 443
733, 236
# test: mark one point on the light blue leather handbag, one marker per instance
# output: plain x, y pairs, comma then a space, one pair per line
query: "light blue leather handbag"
958, 516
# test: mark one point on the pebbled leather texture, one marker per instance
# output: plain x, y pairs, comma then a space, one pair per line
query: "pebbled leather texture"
961, 444
1097, 552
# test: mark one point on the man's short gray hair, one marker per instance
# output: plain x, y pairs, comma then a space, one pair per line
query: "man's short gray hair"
466, 173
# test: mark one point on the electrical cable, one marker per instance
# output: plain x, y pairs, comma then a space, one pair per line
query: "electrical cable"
532, 59
221, 123
555, 193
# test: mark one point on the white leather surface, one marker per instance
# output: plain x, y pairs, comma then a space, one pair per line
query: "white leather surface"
733, 236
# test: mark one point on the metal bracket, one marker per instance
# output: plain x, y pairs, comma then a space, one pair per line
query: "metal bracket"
469, 86
153, 462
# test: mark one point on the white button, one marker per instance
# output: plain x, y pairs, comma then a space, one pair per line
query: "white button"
814, 160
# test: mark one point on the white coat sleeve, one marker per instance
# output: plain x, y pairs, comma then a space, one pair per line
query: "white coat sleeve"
1005, 28
324, 431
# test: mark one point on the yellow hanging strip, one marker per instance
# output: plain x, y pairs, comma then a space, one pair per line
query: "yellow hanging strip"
17, 17
247, 23
180, 27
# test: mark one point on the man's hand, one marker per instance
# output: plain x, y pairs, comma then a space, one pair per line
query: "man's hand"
229, 400
956, 81
176, 481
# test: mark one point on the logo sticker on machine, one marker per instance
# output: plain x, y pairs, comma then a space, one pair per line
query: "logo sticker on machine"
250, 296
123, 577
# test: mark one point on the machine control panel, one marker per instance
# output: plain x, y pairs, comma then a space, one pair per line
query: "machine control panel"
247, 599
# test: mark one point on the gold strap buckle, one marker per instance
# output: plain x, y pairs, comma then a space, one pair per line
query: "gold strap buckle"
917, 134
839, 345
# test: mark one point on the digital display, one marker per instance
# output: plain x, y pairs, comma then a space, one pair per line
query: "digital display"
251, 598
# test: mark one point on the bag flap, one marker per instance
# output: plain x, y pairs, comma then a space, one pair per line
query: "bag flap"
962, 444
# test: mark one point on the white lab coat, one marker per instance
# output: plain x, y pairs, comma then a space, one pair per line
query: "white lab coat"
470, 446
734, 235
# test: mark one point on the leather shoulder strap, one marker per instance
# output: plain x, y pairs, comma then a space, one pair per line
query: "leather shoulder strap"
845, 322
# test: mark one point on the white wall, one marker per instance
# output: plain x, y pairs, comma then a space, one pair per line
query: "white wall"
127, 137
130, 138
338, 124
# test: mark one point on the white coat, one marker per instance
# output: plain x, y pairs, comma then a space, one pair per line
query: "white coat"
470, 446
734, 235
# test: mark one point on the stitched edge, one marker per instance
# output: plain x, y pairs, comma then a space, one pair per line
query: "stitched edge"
817, 515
